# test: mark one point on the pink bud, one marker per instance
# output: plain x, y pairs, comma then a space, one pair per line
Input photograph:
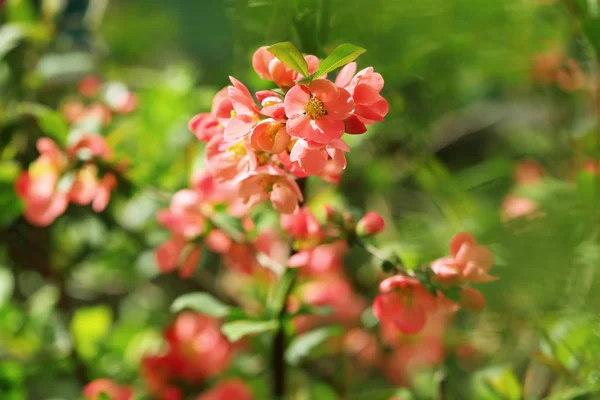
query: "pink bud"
472, 299
370, 224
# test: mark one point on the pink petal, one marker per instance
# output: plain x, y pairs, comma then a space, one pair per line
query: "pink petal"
295, 100
345, 75
238, 127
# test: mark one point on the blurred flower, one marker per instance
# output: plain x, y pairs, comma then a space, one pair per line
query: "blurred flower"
370, 224
405, 302
269, 182
89, 86
468, 262
196, 350
231, 389
97, 389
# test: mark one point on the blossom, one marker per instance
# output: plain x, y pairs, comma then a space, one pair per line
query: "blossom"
269, 182
228, 161
313, 157
405, 302
322, 258
178, 252
370, 224
230, 389
89, 86
244, 115
468, 262
270, 136
364, 87
196, 351
302, 224
207, 125
317, 112
99, 387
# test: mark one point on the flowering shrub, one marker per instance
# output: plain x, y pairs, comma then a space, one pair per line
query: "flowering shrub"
313, 232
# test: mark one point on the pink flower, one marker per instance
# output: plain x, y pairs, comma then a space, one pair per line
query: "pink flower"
370, 224
178, 252
528, 172
269, 67
99, 387
468, 262
245, 113
207, 125
228, 161
196, 350
369, 105
269, 182
231, 389
322, 258
270, 136
517, 207
39, 187
471, 299
405, 302
313, 157
89, 86
185, 215
317, 112
302, 224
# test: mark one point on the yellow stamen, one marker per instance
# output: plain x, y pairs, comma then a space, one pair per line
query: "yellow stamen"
238, 150
315, 109
232, 114
273, 129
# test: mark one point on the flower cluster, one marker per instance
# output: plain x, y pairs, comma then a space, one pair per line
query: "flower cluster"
196, 350
262, 143
407, 302
82, 174
97, 101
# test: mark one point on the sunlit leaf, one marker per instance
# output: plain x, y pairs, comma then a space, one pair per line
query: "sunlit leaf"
288, 54
303, 344
238, 329
340, 56
201, 302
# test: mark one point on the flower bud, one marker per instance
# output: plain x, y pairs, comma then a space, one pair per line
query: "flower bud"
472, 299
370, 224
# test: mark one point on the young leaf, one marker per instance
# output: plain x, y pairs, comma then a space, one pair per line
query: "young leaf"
340, 56
51, 122
303, 344
201, 302
281, 291
238, 329
290, 56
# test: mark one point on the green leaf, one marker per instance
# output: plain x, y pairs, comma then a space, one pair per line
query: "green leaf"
230, 225
238, 329
89, 327
496, 383
303, 344
340, 56
51, 122
10, 204
290, 56
201, 302
10, 35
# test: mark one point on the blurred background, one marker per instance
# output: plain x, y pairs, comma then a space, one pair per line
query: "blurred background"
492, 129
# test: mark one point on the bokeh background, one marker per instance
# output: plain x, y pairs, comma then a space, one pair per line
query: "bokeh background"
473, 91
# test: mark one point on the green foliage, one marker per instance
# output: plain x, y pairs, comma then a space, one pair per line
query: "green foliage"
303, 344
238, 329
340, 56
201, 302
89, 327
290, 56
